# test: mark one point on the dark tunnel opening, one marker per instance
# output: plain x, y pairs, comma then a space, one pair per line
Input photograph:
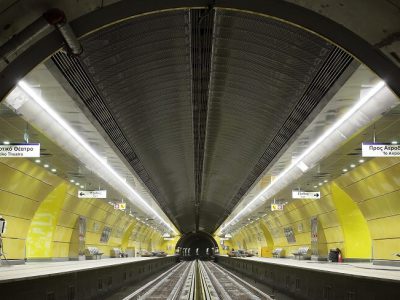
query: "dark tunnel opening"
197, 245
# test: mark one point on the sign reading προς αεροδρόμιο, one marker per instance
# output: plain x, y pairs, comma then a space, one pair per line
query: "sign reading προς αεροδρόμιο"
380, 150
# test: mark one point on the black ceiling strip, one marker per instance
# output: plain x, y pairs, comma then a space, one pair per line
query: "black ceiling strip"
335, 64
202, 23
75, 73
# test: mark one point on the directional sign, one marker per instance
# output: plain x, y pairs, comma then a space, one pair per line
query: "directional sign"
20, 150
276, 206
380, 150
92, 194
296, 194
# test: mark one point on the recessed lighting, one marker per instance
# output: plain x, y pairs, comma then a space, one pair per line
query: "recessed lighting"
46, 165
361, 161
320, 183
37, 161
352, 165
325, 180
394, 142
344, 170
77, 183
67, 128
72, 181
6, 142
53, 170
315, 186
82, 186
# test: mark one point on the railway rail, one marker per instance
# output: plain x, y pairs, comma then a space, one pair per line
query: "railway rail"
197, 280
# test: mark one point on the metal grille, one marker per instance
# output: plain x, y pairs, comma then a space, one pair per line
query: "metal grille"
73, 70
202, 22
333, 67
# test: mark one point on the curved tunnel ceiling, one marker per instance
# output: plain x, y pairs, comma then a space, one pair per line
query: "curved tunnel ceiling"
201, 101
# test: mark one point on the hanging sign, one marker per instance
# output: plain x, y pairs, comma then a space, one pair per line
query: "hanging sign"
380, 150
276, 206
120, 206
296, 194
20, 150
92, 194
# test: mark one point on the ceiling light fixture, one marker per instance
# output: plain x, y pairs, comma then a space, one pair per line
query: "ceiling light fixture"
352, 166
356, 108
46, 165
72, 181
394, 142
361, 161
37, 161
6, 143
344, 170
54, 170
43, 104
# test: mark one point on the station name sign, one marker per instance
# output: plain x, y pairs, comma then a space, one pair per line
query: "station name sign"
305, 195
380, 150
20, 150
93, 194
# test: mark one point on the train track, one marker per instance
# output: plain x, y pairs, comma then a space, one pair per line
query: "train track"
197, 280
218, 283
176, 283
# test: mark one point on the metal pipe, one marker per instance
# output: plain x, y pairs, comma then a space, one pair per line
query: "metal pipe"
55, 17
58, 19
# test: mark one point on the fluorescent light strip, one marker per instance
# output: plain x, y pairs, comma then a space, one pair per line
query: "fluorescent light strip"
23, 85
327, 133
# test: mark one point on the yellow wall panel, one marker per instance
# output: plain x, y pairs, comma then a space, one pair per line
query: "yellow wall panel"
17, 227
385, 249
354, 226
387, 227
14, 248
39, 241
11, 204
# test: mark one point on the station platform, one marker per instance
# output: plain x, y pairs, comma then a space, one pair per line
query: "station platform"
32, 270
314, 280
362, 269
88, 279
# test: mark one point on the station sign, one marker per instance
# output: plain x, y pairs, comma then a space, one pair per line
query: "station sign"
296, 194
276, 206
93, 194
20, 150
380, 150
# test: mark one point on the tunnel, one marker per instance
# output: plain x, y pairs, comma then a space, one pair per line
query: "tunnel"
135, 135
201, 244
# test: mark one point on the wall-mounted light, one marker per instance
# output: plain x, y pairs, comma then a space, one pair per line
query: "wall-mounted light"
71, 134
362, 113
